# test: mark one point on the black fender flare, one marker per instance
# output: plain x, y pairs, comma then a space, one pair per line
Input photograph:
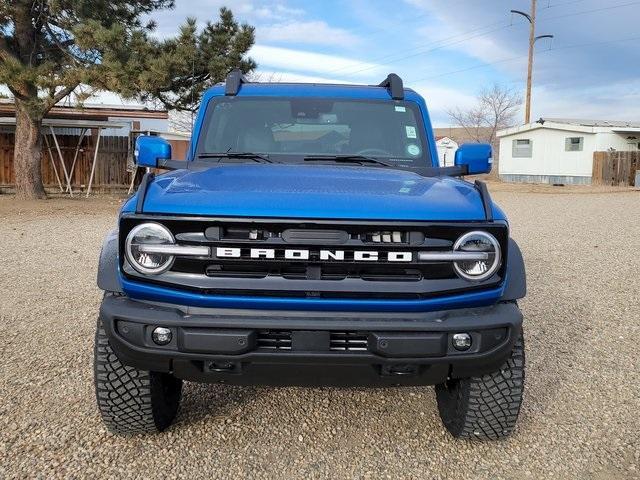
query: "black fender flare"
516, 286
108, 276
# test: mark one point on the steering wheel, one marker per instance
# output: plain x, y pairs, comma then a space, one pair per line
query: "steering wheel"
373, 152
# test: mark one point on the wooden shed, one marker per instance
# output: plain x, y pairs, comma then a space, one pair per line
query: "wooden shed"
78, 141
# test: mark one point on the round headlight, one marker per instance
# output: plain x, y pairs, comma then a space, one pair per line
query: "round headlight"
148, 234
475, 242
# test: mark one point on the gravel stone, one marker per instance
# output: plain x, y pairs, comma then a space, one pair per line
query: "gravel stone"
579, 418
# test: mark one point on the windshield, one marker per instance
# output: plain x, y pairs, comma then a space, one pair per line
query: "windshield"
293, 130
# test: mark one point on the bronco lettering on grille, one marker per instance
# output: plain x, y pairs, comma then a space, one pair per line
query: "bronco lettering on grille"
303, 254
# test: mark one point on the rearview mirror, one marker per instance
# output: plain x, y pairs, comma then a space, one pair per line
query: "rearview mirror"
150, 149
476, 157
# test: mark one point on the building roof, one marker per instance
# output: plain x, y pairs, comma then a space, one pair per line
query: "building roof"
90, 111
68, 123
175, 135
445, 139
574, 125
592, 123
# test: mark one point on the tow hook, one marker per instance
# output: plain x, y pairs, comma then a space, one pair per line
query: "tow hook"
404, 369
225, 367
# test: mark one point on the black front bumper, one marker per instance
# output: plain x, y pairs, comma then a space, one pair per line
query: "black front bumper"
310, 348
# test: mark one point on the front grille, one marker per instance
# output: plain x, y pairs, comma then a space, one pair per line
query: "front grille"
388, 273
348, 341
274, 340
329, 267
338, 341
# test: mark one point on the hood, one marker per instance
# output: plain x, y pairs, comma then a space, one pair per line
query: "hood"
313, 191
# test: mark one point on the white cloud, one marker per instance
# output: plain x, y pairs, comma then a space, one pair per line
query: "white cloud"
582, 73
257, 13
276, 12
594, 81
418, 3
284, 76
315, 32
286, 59
483, 43
440, 99
617, 101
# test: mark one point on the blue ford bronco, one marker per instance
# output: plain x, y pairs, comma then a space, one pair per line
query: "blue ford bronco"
311, 238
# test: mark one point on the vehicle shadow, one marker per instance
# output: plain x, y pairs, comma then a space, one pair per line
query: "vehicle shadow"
210, 401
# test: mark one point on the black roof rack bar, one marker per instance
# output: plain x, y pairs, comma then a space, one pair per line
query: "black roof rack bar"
393, 83
235, 78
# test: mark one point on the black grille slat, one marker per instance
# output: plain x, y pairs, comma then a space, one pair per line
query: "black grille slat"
348, 342
297, 272
328, 271
315, 236
274, 340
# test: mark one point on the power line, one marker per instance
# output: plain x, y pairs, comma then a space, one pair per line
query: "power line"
439, 47
424, 52
430, 43
602, 9
519, 57
368, 32
384, 57
412, 18
571, 2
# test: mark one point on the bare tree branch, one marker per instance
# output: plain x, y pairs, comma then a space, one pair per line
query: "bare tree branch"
496, 109
501, 104
181, 121
470, 120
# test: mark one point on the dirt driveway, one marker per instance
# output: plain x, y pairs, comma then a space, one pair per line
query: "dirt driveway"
580, 416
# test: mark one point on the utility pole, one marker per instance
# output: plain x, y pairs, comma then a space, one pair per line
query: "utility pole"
532, 41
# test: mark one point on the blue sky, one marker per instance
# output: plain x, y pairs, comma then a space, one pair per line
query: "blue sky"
449, 49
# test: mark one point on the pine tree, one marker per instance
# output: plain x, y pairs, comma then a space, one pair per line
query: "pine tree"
50, 49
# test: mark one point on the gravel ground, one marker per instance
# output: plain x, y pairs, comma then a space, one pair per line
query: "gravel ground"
579, 419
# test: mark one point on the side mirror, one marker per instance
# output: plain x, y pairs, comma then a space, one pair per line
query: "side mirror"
151, 149
476, 156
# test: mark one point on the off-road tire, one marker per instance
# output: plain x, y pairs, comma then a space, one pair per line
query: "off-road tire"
484, 407
132, 401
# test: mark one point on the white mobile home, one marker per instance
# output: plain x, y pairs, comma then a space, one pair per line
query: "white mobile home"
554, 150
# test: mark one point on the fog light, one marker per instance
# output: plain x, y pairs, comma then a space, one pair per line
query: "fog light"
461, 341
161, 335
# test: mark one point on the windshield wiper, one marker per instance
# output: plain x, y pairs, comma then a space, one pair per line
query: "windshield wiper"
258, 157
346, 159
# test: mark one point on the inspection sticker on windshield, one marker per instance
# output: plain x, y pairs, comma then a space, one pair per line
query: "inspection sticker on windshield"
411, 131
413, 150
400, 108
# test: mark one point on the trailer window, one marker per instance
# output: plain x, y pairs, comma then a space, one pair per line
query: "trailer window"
522, 148
574, 144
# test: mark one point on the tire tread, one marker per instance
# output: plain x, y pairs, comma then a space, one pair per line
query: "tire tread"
131, 401
485, 407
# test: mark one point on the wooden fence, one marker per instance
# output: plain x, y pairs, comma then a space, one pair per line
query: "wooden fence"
111, 167
615, 168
